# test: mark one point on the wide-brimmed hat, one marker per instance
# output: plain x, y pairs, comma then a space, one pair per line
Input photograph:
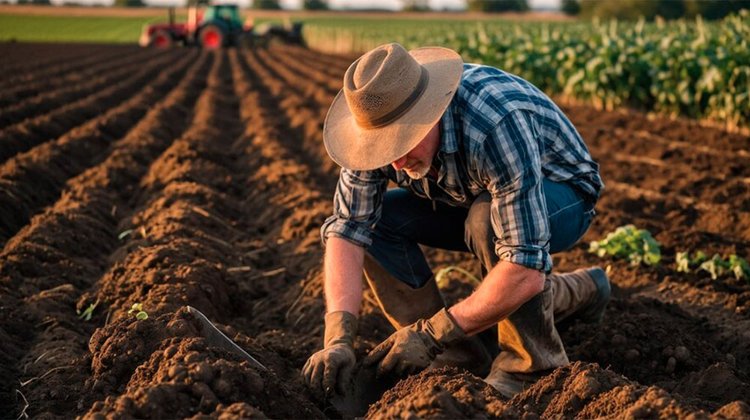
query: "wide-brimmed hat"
390, 100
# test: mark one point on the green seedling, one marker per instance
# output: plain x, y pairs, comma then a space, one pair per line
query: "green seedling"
628, 242
739, 267
137, 309
88, 312
716, 266
686, 263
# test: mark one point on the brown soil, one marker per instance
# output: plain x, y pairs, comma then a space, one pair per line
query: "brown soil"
204, 182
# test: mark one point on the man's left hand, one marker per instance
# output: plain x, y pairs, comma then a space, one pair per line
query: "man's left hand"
413, 348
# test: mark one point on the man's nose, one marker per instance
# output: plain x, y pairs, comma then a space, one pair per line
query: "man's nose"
399, 163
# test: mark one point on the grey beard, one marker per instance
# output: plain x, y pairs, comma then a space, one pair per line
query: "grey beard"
419, 173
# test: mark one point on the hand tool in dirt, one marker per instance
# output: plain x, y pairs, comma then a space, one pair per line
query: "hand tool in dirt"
217, 338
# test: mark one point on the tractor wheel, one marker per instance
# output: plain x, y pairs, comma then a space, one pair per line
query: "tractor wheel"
161, 39
211, 36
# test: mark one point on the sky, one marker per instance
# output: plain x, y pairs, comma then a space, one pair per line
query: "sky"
359, 4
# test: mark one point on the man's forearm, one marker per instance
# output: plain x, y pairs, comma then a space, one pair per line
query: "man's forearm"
343, 275
505, 289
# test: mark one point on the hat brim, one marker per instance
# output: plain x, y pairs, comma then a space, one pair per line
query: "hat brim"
357, 148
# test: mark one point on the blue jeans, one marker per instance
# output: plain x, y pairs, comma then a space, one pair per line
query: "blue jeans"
408, 221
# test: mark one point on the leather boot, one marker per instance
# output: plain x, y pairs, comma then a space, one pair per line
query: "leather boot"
530, 345
404, 305
580, 295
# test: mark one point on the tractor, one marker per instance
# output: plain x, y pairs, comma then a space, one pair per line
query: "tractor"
215, 26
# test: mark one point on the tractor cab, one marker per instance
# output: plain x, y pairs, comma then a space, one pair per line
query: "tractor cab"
220, 25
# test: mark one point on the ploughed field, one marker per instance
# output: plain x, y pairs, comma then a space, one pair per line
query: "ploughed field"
178, 177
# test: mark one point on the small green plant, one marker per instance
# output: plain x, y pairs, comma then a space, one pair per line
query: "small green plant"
716, 266
739, 267
137, 309
686, 263
629, 242
88, 312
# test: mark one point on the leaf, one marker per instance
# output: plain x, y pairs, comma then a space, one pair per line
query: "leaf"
88, 312
683, 262
124, 234
638, 246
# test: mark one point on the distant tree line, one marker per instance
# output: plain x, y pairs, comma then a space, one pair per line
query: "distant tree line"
667, 9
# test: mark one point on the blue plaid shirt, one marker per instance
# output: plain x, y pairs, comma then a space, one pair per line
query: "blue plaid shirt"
500, 134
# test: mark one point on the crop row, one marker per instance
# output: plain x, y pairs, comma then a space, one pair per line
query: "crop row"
87, 82
73, 72
690, 68
32, 179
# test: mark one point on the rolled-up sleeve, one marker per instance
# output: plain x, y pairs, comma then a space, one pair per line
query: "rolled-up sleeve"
512, 171
357, 205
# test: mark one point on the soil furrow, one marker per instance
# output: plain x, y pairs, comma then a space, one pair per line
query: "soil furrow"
337, 62
73, 72
308, 95
305, 122
673, 210
29, 65
22, 136
300, 210
49, 101
34, 179
691, 188
642, 132
90, 207
309, 71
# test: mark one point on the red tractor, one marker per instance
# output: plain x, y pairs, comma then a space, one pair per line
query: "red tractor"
213, 27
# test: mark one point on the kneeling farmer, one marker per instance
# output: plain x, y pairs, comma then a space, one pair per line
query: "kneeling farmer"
485, 163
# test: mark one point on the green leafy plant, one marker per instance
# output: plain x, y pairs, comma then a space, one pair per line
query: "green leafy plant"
88, 312
686, 263
137, 309
716, 266
686, 67
629, 242
739, 267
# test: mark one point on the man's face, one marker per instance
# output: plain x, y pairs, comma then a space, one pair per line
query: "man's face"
417, 162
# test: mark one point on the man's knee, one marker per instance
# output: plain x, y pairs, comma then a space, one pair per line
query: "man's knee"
478, 232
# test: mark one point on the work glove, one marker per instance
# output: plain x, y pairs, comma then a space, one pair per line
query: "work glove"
414, 347
331, 368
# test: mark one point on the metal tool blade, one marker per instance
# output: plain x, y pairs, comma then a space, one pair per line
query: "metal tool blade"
217, 338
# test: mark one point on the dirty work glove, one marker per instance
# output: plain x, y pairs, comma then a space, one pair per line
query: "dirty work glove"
414, 347
330, 368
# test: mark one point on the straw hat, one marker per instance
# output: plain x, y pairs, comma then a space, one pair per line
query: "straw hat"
390, 100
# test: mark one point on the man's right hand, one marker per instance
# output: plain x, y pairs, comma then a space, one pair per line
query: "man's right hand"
330, 369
